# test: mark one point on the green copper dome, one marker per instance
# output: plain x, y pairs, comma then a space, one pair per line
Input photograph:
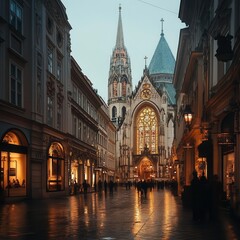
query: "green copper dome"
163, 60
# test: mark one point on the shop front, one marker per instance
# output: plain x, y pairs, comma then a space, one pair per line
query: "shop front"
13, 155
82, 169
226, 143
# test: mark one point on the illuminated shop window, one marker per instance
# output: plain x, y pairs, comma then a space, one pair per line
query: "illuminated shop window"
55, 168
147, 130
13, 166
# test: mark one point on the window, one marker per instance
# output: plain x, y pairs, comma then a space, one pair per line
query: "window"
13, 163
124, 86
123, 112
79, 98
49, 111
16, 86
59, 118
79, 129
115, 88
74, 130
59, 70
55, 168
16, 44
59, 39
74, 93
114, 112
16, 16
50, 59
49, 25
147, 130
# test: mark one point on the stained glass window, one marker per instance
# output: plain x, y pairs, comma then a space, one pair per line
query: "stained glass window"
147, 130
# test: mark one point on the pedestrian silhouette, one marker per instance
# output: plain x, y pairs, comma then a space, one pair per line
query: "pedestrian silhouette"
85, 186
204, 197
100, 185
111, 185
105, 186
144, 187
195, 194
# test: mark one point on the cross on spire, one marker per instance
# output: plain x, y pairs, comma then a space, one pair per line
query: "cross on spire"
145, 58
162, 26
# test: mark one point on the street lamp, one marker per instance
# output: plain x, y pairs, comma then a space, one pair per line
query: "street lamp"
188, 115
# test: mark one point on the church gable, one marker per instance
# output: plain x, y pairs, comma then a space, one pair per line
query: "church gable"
146, 90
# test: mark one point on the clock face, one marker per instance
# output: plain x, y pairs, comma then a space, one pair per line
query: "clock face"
146, 93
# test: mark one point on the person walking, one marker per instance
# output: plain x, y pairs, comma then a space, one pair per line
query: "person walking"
144, 187
195, 194
85, 186
204, 197
99, 185
105, 186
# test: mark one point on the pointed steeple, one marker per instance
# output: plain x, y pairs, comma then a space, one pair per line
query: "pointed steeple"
120, 78
163, 60
119, 40
161, 67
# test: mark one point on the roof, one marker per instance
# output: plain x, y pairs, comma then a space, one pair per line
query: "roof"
163, 60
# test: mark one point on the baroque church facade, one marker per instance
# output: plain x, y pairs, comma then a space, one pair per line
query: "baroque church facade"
144, 116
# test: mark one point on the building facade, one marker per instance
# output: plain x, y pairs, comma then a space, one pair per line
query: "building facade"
49, 111
106, 146
34, 71
207, 80
143, 117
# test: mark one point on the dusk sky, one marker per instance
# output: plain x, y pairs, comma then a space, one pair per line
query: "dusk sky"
94, 31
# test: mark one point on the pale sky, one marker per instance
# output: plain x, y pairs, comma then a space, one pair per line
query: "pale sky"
94, 31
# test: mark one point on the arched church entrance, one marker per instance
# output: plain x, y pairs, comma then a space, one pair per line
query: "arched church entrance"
146, 169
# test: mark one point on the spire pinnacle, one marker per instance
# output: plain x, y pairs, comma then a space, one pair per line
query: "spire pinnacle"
162, 27
120, 41
145, 58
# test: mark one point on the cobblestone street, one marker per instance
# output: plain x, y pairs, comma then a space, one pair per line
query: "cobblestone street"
122, 215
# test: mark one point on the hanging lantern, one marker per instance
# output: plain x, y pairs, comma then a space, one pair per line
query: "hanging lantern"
188, 115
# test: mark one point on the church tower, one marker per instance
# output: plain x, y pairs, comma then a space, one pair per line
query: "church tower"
120, 78
161, 69
145, 133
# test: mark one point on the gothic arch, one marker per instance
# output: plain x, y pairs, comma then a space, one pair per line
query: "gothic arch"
146, 129
145, 169
114, 112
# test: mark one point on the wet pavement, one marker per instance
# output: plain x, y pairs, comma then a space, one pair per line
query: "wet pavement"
123, 215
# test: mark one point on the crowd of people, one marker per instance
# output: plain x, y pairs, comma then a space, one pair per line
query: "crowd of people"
141, 186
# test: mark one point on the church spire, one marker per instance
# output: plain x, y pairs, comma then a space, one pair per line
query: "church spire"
120, 41
120, 78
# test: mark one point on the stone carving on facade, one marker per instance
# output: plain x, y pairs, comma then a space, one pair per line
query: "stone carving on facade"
60, 96
50, 88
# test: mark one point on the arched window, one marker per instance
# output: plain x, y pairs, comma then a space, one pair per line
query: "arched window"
123, 112
114, 112
115, 88
147, 130
124, 88
55, 168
